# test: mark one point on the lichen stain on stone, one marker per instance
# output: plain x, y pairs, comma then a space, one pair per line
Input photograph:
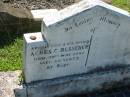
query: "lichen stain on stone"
110, 68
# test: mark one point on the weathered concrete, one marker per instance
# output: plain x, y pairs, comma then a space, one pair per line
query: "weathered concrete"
9, 81
75, 85
20, 20
12, 19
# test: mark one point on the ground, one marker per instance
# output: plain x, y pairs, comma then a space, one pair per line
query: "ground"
8, 81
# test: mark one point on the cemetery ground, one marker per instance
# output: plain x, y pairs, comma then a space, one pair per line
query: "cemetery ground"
11, 47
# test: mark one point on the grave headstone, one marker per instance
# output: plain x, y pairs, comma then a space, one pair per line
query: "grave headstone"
78, 40
81, 48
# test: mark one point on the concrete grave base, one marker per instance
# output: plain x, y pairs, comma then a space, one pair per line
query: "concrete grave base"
74, 85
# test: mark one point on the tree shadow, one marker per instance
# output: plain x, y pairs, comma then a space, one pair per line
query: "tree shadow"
12, 27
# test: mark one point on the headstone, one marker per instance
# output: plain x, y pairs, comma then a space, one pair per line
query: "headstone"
81, 48
78, 40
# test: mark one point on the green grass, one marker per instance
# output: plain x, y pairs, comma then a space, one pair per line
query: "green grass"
11, 46
10, 56
124, 4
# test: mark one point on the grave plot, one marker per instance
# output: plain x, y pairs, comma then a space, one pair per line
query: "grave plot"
79, 49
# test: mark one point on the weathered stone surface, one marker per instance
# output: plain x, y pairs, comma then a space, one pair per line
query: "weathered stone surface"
9, 81
20, 20
75, 85
20, 92
78, 39
10, 17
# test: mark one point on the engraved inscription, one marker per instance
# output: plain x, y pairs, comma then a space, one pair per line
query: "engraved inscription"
78, 23
59, 56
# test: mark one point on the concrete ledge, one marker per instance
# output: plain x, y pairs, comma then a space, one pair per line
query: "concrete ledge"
74, 85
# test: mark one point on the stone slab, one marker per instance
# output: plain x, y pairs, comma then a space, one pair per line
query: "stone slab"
41, 13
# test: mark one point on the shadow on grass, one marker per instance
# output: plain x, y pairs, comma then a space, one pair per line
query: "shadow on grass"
12, 27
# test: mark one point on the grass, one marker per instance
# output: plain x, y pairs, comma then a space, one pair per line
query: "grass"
10, 56
11, 46
124, 4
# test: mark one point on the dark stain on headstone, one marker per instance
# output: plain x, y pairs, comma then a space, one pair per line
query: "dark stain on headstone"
109, 68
